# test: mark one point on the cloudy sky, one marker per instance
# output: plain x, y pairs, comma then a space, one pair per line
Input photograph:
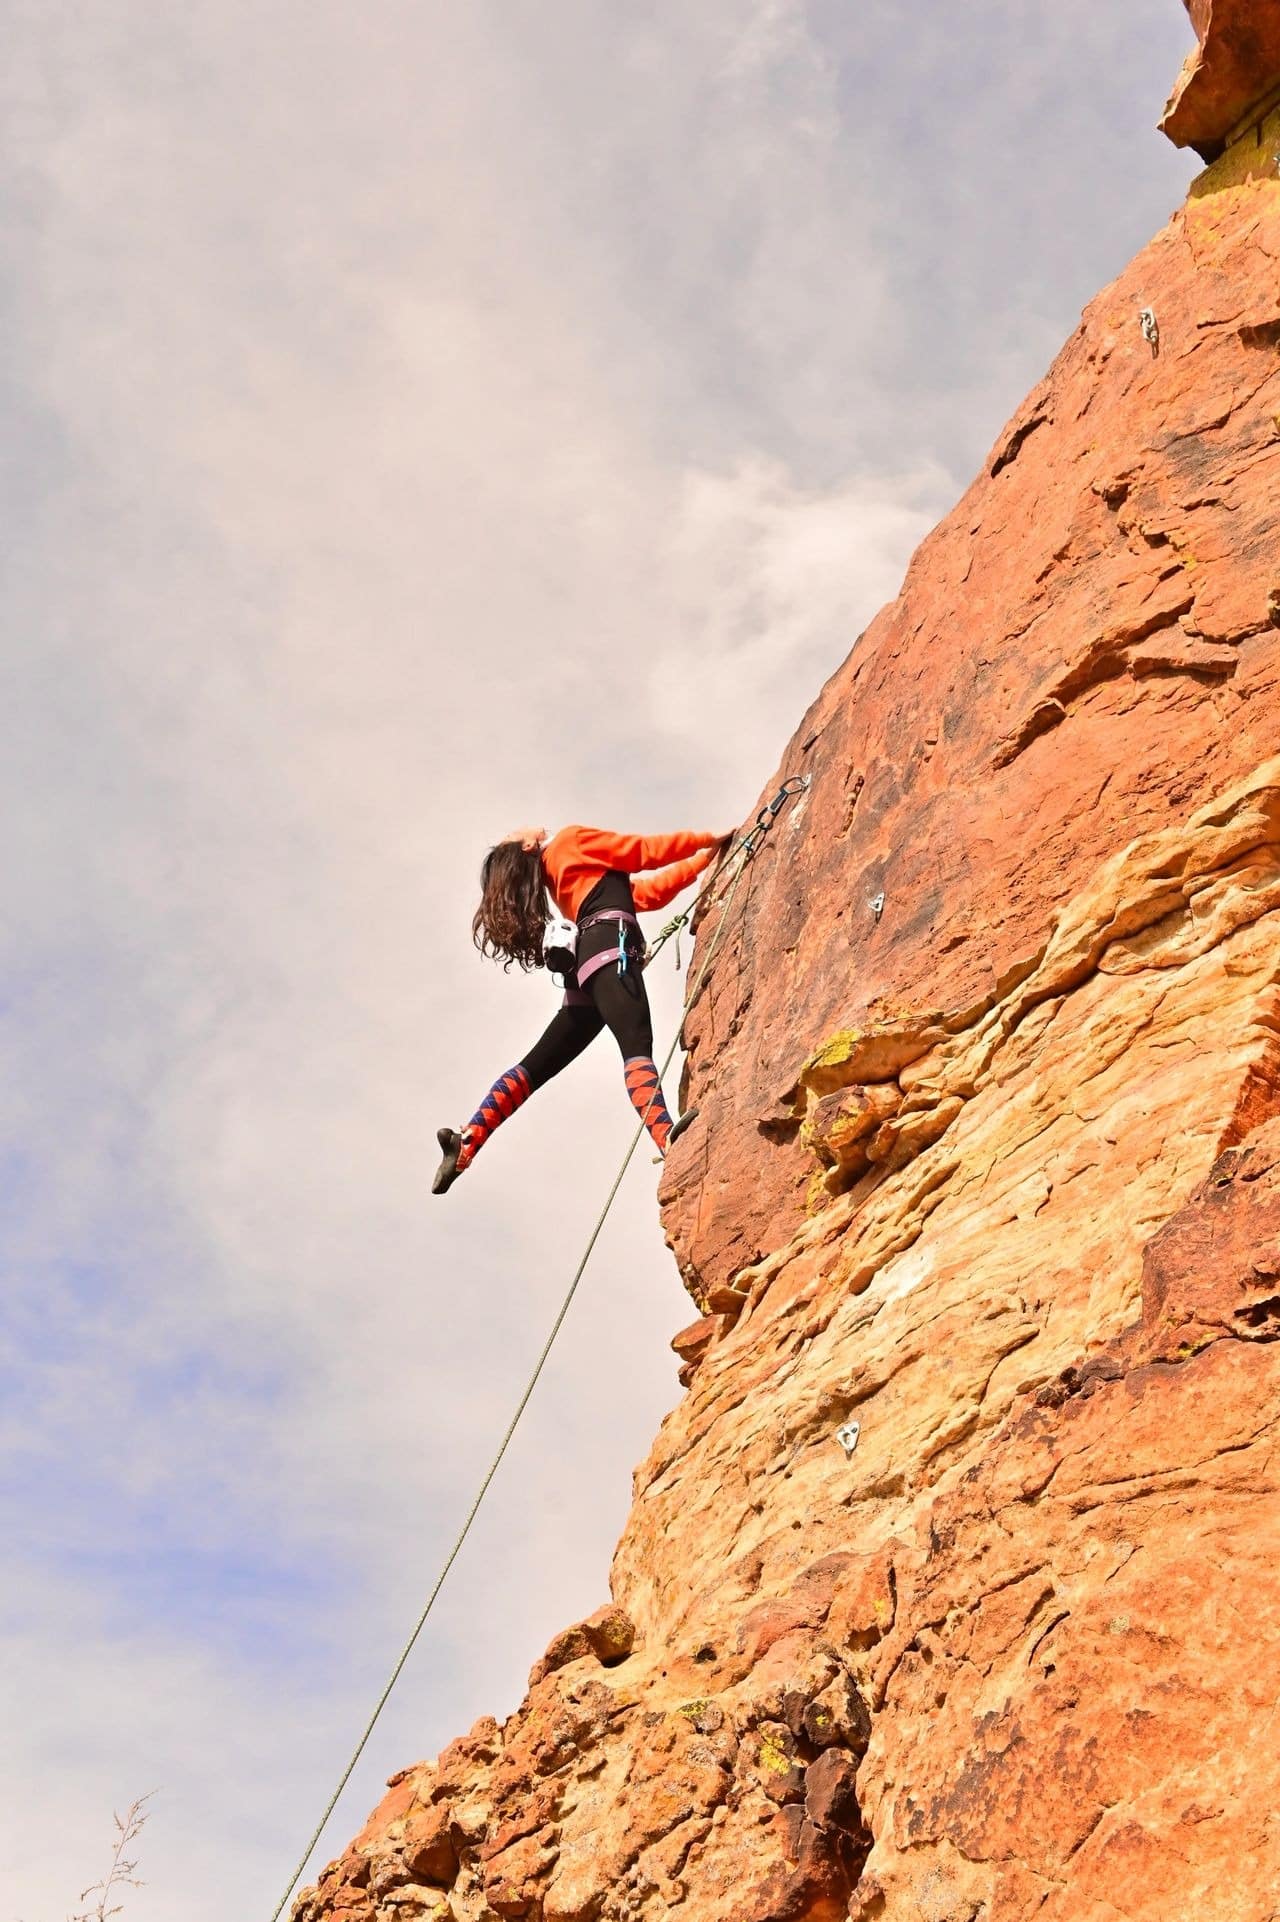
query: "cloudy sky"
419, 417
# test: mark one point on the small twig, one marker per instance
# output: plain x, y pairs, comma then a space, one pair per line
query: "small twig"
121, 1874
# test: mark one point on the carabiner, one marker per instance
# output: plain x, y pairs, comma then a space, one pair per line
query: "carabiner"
794, 784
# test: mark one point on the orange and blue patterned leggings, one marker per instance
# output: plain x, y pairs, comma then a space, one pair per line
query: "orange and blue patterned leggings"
613, 1000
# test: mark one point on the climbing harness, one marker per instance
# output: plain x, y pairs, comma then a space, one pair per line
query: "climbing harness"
630, 939
741, 856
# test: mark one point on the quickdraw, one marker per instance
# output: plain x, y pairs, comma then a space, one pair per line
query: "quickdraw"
795, 784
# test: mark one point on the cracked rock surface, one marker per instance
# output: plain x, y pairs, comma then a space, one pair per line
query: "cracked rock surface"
989, 1185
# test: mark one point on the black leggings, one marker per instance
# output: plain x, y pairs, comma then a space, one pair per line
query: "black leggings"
618, 1002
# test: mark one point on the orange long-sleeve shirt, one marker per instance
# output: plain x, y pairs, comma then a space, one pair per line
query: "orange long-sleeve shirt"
576, 858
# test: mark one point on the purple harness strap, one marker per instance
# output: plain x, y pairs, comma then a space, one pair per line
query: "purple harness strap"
607, 956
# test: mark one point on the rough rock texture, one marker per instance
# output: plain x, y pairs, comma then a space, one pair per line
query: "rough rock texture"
1085, 648
991, 1186
1236, 65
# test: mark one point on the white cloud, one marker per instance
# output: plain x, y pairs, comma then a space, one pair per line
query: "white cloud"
771, 584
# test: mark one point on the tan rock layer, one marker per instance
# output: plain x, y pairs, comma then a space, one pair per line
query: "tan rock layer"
1036, 1148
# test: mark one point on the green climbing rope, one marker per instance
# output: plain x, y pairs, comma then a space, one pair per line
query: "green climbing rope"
738, 858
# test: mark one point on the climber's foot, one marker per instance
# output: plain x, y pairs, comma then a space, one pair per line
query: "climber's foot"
448, 1171
678, 1127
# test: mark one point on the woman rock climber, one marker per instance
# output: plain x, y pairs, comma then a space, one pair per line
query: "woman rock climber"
589, 876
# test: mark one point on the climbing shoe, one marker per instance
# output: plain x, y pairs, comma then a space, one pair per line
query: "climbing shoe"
448, 1171
678, 1127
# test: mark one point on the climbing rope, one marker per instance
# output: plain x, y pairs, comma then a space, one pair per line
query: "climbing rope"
740, 856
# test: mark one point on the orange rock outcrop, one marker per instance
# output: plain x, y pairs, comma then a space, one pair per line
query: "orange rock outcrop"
1230, 75
950, 1588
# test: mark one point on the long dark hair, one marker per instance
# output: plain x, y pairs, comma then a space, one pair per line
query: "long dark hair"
511, 920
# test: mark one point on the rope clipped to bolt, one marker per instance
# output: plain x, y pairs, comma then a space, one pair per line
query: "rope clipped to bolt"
794, 785
738, 858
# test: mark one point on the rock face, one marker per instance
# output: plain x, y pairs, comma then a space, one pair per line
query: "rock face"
950, 1587
1234, 68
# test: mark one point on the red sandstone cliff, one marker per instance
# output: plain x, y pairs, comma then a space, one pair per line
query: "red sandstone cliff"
997, 1176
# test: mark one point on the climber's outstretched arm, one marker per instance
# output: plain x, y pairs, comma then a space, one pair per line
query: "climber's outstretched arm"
663, 884
637, 853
